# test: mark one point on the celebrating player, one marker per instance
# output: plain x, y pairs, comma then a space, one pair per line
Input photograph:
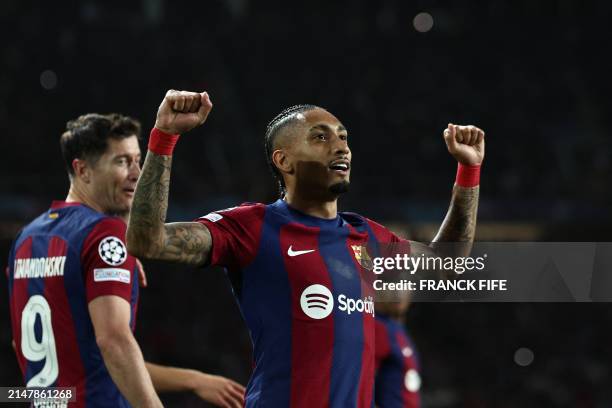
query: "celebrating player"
294, 264
73, 288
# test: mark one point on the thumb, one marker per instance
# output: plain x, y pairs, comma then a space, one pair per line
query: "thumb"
449, 137
142, 277
205, 107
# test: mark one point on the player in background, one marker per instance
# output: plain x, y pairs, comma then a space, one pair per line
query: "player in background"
398, 379
294, 264
73, 288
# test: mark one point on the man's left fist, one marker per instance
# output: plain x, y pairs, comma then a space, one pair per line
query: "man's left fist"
465, 143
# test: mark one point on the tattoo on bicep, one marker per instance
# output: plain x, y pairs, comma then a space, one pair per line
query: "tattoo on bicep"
186, 242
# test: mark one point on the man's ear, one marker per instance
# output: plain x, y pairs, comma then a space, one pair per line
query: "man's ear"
82, 170
282, 161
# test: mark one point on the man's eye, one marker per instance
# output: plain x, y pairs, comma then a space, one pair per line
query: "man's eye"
343, 137
321, 136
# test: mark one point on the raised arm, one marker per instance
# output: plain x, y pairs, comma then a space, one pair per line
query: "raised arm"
456, 234
148, 235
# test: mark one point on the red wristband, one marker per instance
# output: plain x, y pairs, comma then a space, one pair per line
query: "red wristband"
162, 143
468, 175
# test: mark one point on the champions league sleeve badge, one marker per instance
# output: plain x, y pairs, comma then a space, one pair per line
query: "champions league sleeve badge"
112, 251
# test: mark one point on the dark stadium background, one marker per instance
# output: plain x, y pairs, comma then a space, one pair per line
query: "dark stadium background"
534, 75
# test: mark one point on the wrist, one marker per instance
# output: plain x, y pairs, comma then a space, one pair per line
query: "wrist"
468, 175
162, 143
195, 379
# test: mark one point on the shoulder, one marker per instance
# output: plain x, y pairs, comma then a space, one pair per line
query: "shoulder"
382, 233
71, 223
109, 225
244, 212
74, 222
354, 219
107, 239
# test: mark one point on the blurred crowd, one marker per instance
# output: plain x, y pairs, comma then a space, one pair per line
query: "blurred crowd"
530, 74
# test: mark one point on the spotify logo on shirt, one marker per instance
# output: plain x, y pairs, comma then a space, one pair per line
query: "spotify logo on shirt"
317, 301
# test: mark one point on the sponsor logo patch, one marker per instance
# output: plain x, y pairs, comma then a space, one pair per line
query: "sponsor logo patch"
213, 217
111, 274
317, 301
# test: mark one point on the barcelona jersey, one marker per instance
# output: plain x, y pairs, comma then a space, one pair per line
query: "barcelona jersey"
305, 298
398, 378
61, 261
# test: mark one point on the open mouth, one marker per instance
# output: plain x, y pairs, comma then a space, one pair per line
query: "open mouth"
340, 166
129, 191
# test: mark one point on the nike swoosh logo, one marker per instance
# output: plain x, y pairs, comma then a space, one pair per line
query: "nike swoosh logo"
291, 252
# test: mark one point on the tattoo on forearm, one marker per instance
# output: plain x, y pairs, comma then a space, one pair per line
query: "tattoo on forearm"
148, 213
186, 242
459, 225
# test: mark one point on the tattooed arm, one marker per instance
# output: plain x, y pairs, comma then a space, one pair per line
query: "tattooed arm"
148, 235
456, 235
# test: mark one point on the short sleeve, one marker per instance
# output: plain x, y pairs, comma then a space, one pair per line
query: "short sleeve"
235, 234
383, 234
108, 268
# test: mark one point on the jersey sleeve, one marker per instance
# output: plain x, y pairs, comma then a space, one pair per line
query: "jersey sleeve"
383, 234
386, 243
235, 234
108, 268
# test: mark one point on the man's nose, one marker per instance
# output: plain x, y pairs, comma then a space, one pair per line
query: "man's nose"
341, 146
134, 171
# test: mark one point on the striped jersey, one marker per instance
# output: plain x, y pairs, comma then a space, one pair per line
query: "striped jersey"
306, 300
61, 261
398, 378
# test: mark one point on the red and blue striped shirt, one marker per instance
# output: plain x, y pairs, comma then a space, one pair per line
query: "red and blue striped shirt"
306, 300
398, 378
61, 261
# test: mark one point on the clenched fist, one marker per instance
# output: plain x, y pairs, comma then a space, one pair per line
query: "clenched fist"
181, 111
465, 143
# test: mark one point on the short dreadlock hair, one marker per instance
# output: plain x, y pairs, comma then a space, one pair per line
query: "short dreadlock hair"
281, 121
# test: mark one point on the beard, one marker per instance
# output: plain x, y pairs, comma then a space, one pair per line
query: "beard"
339, 188
119, 210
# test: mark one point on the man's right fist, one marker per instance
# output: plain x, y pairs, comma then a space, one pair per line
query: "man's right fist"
181, 111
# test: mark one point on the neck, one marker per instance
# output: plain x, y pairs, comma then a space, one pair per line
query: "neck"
327, 209
77, 195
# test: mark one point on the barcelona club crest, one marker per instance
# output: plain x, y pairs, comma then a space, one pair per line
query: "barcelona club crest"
362, 256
